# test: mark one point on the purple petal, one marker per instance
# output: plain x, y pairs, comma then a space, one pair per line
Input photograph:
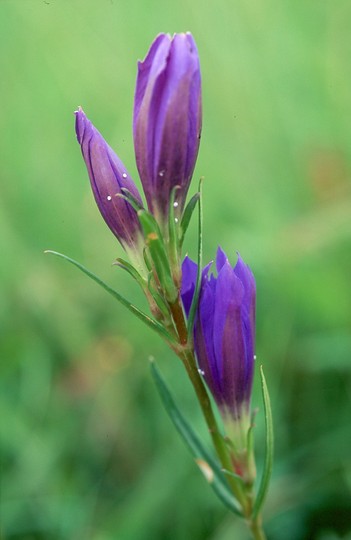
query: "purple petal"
228, 344
148, 71
204, 337
107, 176
167, 119
221, 258
249, 301
189, 274
224, 334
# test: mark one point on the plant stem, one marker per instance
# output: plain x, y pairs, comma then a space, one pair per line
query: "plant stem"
179, 321
217, 439
188, 358
256, 529
187, 355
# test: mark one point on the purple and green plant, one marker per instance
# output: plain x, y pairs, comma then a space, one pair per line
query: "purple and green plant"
208, 320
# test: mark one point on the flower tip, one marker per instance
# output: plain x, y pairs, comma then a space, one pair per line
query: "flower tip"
81, 121
221, 258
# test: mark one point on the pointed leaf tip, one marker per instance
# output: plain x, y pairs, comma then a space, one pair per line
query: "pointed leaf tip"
195, 300
268, 463
149, 321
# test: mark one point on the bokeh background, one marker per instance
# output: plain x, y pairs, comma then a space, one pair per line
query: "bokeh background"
86, 449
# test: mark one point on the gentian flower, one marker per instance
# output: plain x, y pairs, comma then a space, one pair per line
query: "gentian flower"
167, 120
108, 176
224, 332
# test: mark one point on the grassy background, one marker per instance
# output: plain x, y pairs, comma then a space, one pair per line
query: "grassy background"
86, 449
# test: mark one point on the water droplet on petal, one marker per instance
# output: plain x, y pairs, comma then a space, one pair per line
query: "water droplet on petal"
255, 357
175, 204
161, 173
108, 197
124, 175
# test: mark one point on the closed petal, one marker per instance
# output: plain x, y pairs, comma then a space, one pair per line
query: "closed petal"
107, 176
189, 274
221, 258
224, 334
228, 339
167, 119
248, 314
204, 340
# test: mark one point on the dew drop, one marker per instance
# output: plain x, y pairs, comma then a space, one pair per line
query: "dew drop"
161, 173
176, 220
201, 371
124, 175
108, 197
175, 204
255, 357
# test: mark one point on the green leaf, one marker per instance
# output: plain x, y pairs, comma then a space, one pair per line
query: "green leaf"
160, 302
233, 475
158, 253
188, 212
193, 308
149, 321
147, 259
173, 228
129, 197
204, 460
121, 263
268, 464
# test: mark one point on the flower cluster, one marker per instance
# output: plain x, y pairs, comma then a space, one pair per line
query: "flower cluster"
217, 342
167, 126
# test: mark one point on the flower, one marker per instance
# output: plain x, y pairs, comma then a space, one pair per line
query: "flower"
167, 120
224, 332
108, 176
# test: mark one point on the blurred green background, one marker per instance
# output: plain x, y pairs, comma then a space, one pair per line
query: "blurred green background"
87, 451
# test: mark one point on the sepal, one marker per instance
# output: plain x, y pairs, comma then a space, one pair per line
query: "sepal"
195, 300
173, 238
125, 265
158, 254
187, 214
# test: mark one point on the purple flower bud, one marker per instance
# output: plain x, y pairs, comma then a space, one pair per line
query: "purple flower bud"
108, 176
167, 119
224, 333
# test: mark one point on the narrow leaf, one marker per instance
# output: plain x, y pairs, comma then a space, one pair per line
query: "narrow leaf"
195, 300
158, 253
233, 475
173, 228
147, 259
163, 307
188, 212
149, 321
204, 460
129, 197
121, 263
268, 464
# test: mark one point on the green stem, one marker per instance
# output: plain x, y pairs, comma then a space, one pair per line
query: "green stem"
179, 321
188, 359
256, 529
244, 495
217, 439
